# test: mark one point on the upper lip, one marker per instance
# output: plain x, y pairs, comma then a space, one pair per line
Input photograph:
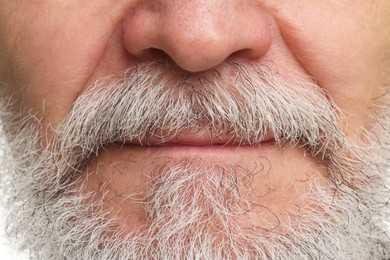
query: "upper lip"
191, 138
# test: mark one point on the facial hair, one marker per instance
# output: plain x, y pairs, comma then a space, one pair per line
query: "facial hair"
54, 220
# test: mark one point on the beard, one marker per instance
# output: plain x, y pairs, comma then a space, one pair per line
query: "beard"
198, 209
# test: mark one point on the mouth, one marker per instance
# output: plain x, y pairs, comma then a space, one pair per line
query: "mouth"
194, 138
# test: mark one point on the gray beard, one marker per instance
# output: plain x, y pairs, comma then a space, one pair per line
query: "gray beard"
193, 206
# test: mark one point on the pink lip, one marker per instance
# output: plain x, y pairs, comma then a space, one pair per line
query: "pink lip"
190, 139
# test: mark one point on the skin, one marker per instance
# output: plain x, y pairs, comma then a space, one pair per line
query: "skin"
52, 51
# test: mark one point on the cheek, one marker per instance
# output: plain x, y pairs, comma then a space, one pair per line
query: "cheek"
335, 46
52, 58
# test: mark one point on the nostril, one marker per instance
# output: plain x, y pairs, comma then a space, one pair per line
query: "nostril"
157, 54
244, 53
151, 54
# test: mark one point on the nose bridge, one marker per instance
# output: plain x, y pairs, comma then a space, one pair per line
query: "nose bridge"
201, 34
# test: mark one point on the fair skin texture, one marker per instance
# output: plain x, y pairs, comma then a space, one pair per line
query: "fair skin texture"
51, 51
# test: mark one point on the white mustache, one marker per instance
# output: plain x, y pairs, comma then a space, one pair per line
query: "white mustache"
245, 103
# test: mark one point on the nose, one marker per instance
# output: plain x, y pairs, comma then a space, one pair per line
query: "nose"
197, 35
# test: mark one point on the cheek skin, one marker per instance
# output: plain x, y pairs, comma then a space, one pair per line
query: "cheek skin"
53, 55
341, 53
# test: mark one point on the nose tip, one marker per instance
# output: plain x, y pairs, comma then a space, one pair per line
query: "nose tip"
197, 37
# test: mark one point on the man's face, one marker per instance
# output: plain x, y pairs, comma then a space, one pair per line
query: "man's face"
183, 129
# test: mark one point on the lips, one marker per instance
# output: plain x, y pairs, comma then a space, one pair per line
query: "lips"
193, 138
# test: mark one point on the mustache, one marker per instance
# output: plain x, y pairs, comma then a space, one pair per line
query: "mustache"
246, 103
